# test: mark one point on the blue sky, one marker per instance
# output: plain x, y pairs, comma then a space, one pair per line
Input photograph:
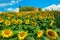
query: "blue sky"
6, 5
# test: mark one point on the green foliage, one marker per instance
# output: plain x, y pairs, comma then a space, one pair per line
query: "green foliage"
32, 30
28, 8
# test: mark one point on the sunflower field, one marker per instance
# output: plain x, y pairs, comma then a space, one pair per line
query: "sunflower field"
29, 26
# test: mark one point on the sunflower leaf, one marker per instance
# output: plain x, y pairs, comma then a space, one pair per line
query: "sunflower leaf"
30, 38
58, 30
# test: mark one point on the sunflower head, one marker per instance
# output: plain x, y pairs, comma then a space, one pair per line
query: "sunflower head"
22, 35
34, 17
41, 17
19, 21
28, 16
14, 21
52, 21
51, 34
27, 22
10, 15
34, 23
39, 33
1, 19
6, 33
7, 22
19, 14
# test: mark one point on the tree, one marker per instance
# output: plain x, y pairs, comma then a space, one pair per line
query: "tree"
24, 8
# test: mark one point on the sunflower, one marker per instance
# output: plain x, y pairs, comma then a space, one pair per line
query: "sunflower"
1, 20
51, 34
7, 22
10, 15
39, 33
14, 21
19, 14
34, 17
41, 17
22, 35
27, 21
19, 21
34, 23
52, 21
49, 16
28, 16
6, 33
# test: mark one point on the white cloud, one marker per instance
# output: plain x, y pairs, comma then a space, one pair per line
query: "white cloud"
14, 10
10, 9
11, 3
53, 6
